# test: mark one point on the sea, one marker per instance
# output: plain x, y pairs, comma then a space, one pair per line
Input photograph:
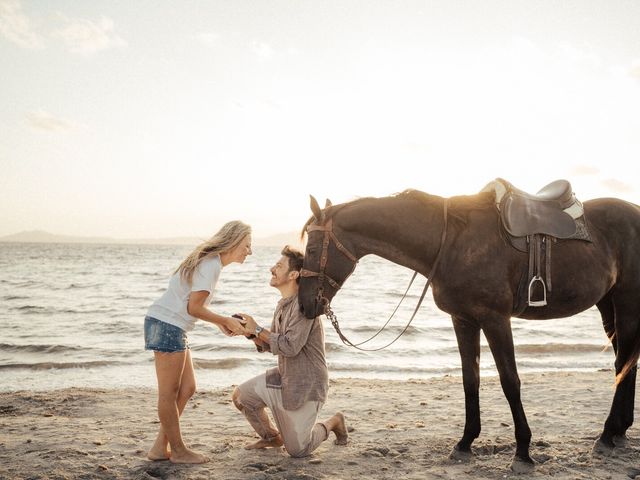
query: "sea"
72, 316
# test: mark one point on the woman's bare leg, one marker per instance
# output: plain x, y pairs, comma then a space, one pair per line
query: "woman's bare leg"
160, 449
170, 368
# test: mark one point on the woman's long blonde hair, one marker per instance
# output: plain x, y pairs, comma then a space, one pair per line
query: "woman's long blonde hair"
227, 238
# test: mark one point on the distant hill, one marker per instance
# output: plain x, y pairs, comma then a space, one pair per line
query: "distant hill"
40, 236
280, 240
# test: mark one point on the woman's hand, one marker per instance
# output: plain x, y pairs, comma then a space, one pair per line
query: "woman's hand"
234, 326
225, 330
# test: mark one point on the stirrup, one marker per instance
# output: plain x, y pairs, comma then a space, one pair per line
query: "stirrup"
537, 303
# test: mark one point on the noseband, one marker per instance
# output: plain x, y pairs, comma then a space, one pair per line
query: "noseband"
327, 228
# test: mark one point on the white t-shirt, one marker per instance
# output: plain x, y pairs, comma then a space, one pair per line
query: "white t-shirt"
171, 307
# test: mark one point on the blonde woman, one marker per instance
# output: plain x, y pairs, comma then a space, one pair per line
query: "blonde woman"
174, 314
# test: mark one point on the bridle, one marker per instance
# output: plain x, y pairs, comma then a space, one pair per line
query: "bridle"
327, 228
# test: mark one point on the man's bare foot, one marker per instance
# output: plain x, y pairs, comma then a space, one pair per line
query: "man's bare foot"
188, 456
273, 443
340, 429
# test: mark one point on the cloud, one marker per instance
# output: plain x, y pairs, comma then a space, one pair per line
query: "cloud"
209, 39
16, 27
584, 170
581, 56
617, 186
263, 50
42, 120
86, 37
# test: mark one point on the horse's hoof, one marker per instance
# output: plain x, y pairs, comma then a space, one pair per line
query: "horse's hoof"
458, 455
602, 448
621, 440
520, 465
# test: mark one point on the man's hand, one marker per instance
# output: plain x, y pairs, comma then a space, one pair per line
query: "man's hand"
247, 332
250, 325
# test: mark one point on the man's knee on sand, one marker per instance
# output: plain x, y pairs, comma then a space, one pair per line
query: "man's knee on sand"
236, 398
297, 451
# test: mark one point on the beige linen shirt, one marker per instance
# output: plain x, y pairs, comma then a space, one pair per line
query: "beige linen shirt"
299, 344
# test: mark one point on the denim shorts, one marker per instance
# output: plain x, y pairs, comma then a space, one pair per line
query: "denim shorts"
161, 336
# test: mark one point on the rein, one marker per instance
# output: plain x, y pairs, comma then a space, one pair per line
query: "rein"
327, 228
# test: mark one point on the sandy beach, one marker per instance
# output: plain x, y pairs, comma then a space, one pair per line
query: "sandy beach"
399, 430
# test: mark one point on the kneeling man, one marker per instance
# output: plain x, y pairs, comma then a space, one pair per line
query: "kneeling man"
297, 388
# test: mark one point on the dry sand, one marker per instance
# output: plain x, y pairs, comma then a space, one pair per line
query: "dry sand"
401, 430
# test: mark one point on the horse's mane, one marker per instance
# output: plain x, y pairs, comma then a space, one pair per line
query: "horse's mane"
459, 206
478, 201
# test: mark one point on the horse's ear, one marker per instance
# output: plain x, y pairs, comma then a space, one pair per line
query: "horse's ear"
315, 208
328, 203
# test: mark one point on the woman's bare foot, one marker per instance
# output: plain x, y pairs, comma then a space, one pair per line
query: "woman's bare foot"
188, 456
274, 442
338, 425
159, 450
157, 455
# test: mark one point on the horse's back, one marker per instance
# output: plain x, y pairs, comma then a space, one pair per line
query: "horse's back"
613, 217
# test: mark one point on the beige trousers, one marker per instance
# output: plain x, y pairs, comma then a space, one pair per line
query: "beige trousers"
300, 432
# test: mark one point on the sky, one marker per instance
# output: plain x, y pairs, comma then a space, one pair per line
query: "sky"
160, 119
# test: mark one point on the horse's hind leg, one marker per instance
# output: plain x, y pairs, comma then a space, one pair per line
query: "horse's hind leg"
500, 339
468, 336
627, 333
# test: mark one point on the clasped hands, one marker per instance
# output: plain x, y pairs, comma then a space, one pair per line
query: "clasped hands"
241, 324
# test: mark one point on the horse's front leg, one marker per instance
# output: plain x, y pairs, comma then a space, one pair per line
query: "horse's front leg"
500, 339
468, 336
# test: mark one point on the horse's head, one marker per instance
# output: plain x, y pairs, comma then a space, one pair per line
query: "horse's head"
327, 262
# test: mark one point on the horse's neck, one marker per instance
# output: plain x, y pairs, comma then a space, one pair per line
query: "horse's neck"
402, 230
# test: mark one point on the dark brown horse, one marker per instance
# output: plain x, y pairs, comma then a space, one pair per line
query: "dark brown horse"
477, 283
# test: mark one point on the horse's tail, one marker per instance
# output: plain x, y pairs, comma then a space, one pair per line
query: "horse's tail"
632, 360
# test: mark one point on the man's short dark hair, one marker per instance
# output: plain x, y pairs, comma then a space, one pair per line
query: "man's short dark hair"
295, 258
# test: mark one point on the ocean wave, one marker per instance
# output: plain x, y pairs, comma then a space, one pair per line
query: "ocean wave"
145, 299
551, 364
14, 297
214, 347
95, 310
60, 365
398, 294
221, 363
395, 329
81, 286
559, 348
387, 368
35, 348
22, 283
40, 310
524, 350
30, 308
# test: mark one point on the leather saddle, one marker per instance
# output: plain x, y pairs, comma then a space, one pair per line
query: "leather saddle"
550, 211
532, 222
